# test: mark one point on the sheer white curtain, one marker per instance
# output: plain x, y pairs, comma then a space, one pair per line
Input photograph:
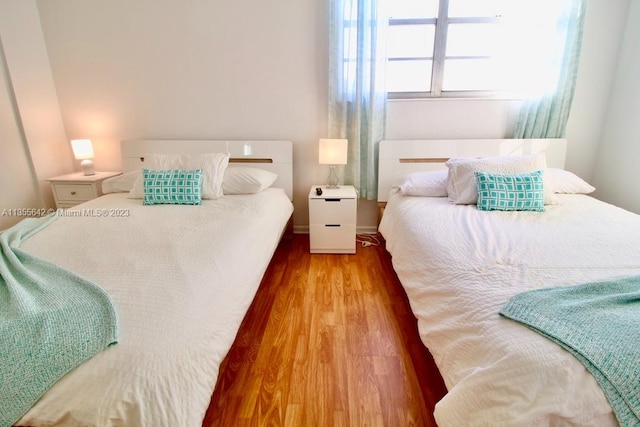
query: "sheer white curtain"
357, 95
544, 114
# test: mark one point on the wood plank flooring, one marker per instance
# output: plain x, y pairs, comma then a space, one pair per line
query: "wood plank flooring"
329, 341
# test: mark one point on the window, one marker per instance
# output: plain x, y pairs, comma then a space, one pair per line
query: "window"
444, 48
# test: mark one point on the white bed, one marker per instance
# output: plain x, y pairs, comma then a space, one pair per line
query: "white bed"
182, 279
460, 265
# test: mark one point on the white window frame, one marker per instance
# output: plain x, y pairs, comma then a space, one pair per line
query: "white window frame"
439, 55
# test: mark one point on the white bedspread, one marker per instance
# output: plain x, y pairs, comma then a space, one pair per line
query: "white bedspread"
459, 266
182, 278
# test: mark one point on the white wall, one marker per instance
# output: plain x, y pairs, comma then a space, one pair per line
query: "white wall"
247, 69
19, 189
192, 69
34, 144
617, 174
601, 41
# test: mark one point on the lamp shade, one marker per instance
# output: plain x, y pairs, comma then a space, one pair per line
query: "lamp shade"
82, 149
333, 151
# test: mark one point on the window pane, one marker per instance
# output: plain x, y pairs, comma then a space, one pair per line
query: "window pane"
410, 41
474, 40
350, 38
518, 52
475, 8
470, 74
403, 9
349, 71
409, 76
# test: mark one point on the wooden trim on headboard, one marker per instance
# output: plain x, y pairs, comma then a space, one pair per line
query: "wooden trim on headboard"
249, 160
424, 160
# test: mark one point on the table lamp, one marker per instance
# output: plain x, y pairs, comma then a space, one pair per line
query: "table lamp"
333, 152
83, 150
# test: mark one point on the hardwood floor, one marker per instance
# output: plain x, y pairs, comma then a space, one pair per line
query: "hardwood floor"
329, 341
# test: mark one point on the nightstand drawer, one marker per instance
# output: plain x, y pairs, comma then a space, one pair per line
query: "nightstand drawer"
335, 238
332, 211
74, 192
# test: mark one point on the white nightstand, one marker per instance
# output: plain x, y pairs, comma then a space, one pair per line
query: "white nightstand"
332, 220
74, 188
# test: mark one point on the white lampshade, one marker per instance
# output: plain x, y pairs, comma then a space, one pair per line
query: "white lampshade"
333, 151
83, 150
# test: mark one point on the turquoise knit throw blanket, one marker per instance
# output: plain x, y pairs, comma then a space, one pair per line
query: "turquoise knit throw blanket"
50, 322
599, 323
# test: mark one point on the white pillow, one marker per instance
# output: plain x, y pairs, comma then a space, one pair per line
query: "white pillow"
461, 181
120, 184
244, 180
563, 181
213, 166
424, 183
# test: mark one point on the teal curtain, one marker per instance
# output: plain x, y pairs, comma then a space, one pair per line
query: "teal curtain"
357, 95
546, 115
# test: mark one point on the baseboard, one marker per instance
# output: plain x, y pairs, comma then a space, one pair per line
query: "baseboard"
301, 229
367, 229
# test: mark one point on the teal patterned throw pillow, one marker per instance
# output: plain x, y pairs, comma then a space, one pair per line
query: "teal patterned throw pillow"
522, 192
171, 187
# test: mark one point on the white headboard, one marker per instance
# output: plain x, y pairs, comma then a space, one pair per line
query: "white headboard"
400, 157
274, 156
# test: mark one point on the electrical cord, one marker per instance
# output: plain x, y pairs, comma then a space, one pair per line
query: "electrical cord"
367, 240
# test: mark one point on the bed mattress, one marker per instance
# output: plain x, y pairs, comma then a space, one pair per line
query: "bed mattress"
460, 265
182, 279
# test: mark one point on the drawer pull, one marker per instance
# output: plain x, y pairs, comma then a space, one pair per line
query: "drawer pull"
332, 200
73, 193
332, 225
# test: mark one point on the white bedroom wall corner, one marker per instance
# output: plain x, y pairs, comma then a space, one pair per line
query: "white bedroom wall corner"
36, 100
616, 172
603, 35
18, 186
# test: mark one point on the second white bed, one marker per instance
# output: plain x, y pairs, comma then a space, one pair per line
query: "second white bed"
459, 266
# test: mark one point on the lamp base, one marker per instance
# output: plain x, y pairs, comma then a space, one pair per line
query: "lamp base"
332, 180
87, 167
